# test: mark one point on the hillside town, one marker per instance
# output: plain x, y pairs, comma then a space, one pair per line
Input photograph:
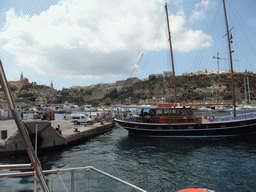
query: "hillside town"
28, 94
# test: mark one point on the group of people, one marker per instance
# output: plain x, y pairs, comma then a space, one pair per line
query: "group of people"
24, 116
37, 116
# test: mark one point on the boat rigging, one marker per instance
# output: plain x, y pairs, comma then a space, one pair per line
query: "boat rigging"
175, 120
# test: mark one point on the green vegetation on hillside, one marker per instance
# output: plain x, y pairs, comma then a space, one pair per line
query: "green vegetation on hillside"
195, 88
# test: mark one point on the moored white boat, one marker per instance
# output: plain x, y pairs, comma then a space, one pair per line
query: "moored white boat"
207, 109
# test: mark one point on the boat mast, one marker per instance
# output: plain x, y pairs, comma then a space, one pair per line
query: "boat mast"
35, 163
170, 41
230, 59
245, 92
249, 93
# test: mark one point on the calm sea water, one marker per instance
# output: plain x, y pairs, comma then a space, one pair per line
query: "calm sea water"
153, 164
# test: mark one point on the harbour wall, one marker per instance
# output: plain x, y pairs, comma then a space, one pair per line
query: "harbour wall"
48, 138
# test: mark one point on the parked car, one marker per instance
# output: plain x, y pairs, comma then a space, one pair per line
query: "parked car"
81, 118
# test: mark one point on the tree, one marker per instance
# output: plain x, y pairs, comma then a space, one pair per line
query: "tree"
25, 93
33, 98
129, 89
113, 94
107, 101
227, 96
25, 87
152, 78
123, 96
88, 92
65, 92
13, 88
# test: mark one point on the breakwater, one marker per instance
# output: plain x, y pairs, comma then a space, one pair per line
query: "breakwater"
44, 134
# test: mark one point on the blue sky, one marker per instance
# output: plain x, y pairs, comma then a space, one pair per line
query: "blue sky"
77, 42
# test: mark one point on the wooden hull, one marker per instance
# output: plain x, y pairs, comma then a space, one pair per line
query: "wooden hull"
191, 130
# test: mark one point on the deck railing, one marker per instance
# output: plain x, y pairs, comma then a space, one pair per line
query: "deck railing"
156, 119
86, 179
181, 119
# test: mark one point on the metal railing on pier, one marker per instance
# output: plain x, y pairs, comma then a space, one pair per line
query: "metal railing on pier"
120, 185
35, 163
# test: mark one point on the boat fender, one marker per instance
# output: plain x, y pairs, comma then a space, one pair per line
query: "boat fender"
162, 119
211, 118
199, 115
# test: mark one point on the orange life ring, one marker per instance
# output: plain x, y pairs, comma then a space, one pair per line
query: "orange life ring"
211, 118
162, 119
199, 114
194, 190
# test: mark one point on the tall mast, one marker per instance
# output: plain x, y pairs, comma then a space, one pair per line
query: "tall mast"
245, 91
218, 61
230, 59
170, 41
249, 93
23, 131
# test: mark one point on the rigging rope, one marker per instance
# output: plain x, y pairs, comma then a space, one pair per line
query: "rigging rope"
156, 30
234, 14
58, 174
199, 57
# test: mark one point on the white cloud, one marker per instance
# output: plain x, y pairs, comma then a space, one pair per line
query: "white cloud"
91, 38
192, 40
199, 11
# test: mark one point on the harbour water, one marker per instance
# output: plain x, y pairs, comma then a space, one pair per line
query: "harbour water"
153, 164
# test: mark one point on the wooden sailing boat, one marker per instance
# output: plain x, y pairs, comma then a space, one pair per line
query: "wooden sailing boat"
171, 120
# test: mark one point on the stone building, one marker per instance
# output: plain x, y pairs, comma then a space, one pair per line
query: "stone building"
130, 81
23, 81
153, 100
46, 92
167, 74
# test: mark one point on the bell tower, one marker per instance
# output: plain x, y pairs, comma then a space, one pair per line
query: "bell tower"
51, 84
21, 76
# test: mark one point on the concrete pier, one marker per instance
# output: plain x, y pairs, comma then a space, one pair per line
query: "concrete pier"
11, 142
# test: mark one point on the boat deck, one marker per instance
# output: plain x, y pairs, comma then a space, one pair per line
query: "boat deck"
205, 119
230, 118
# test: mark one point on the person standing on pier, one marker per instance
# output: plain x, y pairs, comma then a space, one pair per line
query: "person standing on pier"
21, 115
44, 116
